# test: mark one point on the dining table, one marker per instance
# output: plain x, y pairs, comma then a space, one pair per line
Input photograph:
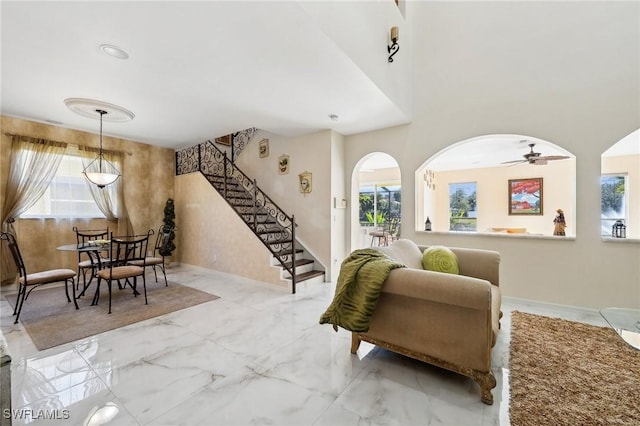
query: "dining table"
93, 251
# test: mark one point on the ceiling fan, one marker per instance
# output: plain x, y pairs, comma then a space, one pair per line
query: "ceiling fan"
536, 158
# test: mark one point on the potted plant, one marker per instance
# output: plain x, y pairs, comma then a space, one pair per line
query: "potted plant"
169, 225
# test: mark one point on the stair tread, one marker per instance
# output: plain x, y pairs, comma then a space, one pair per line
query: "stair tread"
243, 203
308, 275
299, 262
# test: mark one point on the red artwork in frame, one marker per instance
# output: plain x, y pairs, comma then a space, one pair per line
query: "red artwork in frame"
525, 196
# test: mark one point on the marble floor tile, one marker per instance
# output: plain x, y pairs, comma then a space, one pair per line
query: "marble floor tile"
256, 355
249, 397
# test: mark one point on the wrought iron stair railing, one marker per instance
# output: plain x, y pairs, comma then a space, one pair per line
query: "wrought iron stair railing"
273, 227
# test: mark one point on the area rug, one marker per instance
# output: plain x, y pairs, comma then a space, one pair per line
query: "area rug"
568, 373
51, 321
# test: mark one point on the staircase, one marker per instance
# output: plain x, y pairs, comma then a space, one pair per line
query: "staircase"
273, 227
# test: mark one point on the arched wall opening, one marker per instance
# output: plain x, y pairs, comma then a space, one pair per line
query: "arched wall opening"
620, 189
498, 184
376, 189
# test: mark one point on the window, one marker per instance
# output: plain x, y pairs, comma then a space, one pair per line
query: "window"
612, 202
378, 203
462, 206
68, 194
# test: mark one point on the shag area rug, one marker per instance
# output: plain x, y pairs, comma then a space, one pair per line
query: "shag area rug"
569, 373
51, 321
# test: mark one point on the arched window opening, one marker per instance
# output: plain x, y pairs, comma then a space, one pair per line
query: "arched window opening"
620, 189
508, 184
376, 184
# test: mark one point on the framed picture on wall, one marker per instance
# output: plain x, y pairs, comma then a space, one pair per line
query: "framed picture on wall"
263, 148
283, 164
305, 182
525, 196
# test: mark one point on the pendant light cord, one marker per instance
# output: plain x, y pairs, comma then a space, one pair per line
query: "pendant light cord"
102, 113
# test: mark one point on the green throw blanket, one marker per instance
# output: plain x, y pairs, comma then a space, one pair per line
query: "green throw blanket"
358, 289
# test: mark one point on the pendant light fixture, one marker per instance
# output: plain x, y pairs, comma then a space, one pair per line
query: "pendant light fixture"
101, 172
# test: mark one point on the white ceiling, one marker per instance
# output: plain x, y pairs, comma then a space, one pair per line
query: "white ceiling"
492, 151
629, 145
197, 70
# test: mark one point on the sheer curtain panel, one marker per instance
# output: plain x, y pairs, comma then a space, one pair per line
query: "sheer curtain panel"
33, 164
110, 199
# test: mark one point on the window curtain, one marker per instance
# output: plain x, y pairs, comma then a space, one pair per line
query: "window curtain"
110, 196
33, 164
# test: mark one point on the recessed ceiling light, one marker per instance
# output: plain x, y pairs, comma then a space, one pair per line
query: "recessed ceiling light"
334, 117
114, 51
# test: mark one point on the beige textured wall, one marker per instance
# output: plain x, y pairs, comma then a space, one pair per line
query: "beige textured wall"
339, 215
579, 107
313, 211
211, 235
147, 174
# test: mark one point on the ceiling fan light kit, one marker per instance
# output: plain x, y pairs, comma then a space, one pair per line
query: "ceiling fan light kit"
536, 158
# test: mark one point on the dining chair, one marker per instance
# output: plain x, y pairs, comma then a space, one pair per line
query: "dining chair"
122, 251
35, 279
387, 234
157, 259
91, 263
381, 234
394, 229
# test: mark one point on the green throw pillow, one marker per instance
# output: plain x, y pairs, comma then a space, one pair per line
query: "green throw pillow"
440, 259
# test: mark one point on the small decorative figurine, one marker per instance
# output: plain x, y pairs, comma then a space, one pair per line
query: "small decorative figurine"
560, 223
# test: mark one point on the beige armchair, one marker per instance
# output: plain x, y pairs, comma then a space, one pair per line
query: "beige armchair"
447, 320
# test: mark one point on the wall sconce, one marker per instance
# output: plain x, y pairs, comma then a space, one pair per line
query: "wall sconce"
394, 47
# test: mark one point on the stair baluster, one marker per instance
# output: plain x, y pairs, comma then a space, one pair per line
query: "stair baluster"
273, 227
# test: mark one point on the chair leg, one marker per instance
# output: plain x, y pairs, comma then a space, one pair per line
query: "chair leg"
78, 273
164, 272
96, 296
15, 310
134, 286
19, 302
155, 272
73, 290
109, 285
144, 285
66, 290
86, 284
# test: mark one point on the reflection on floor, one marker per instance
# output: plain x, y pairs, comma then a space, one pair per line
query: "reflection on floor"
257, 355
